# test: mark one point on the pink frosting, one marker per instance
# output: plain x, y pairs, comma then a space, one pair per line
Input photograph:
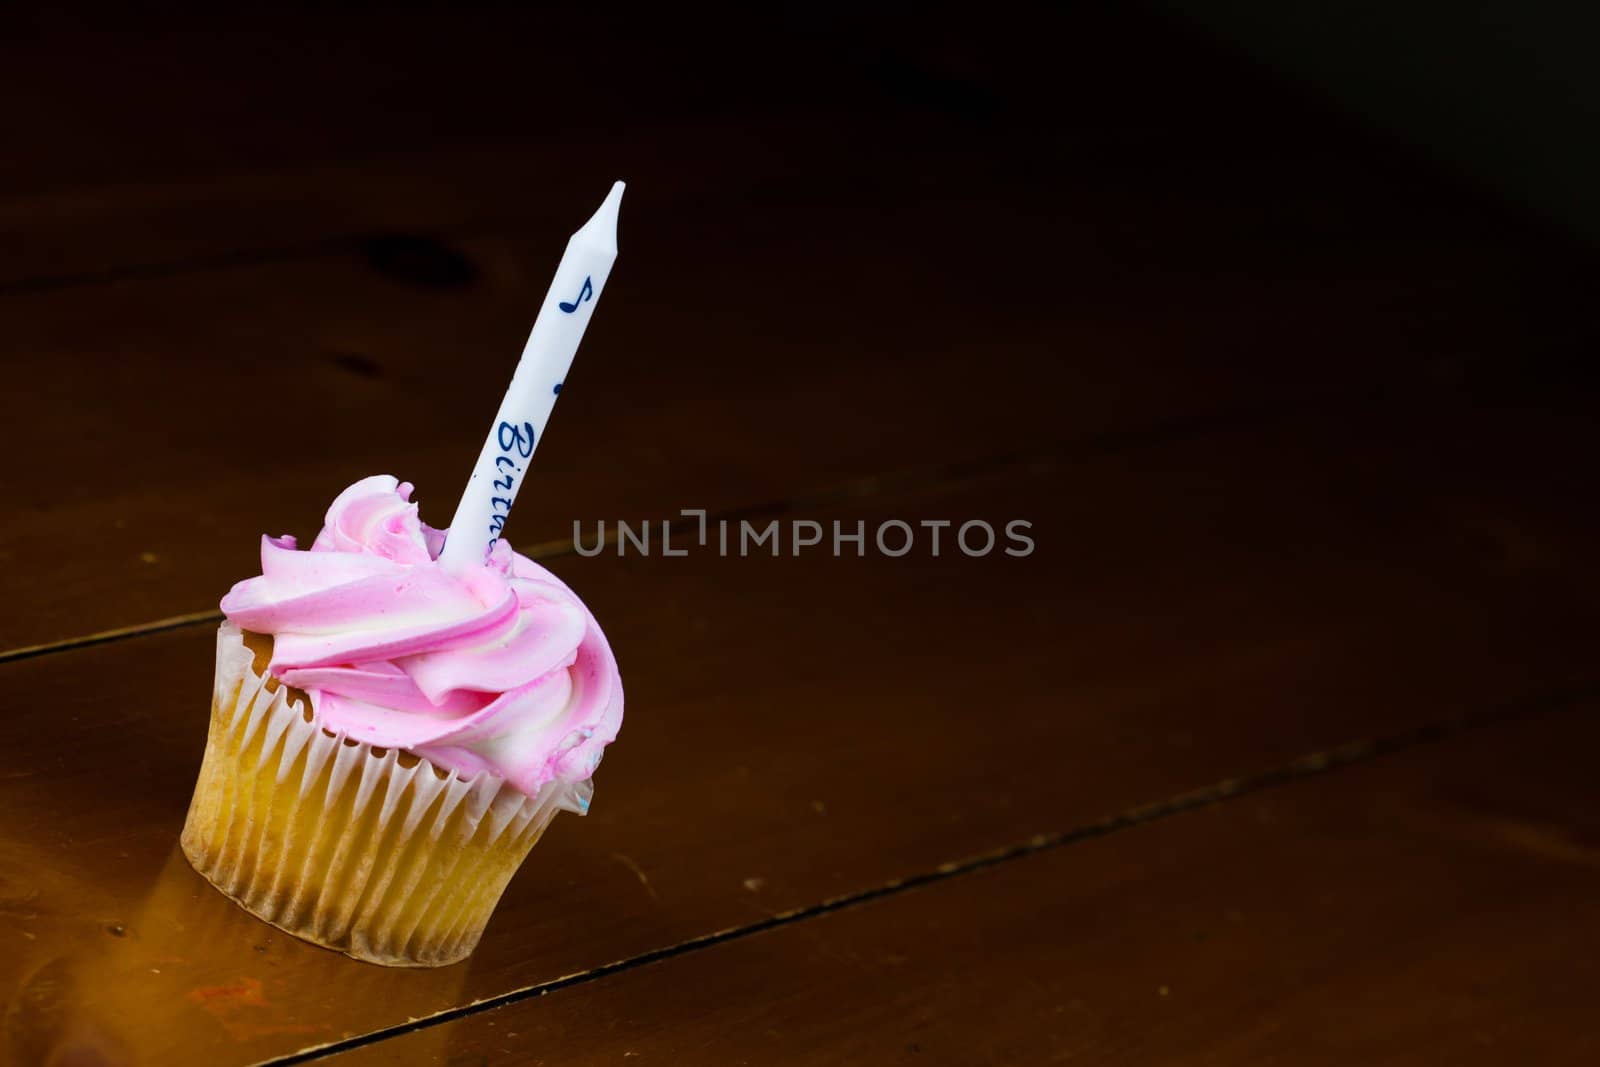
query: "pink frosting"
501, 669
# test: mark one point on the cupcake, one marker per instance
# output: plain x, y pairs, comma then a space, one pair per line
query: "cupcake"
389, 737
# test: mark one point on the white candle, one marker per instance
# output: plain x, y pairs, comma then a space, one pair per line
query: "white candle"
519, 426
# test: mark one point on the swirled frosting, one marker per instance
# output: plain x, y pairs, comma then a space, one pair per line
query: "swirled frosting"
500, 669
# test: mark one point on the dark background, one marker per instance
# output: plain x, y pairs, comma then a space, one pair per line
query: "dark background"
1462, 123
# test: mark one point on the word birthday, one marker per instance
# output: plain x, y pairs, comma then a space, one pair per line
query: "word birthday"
514, 442
892, 537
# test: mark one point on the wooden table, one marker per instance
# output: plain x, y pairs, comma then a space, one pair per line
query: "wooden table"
1274, 749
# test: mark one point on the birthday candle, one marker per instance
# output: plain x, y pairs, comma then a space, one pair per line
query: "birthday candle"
519, 426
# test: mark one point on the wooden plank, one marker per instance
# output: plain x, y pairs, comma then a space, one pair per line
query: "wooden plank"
745, 356
806, 727
241, 401
880, 283
151, 144
206, 430
183, 96
168, 141
68, 235
1440, 905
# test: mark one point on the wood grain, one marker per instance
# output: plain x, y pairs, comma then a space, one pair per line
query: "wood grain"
171, 139
745, 356
187, 224
806, 727
1436, 905
208, 345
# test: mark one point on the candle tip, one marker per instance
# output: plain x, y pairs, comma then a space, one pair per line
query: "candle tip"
603, 224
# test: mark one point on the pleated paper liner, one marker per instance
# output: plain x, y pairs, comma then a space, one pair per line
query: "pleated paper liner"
372, 852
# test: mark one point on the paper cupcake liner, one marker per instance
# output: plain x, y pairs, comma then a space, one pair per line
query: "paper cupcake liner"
375, 853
